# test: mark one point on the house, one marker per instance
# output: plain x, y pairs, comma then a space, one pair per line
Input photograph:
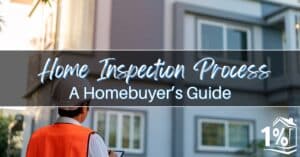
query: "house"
283, 130
183, 25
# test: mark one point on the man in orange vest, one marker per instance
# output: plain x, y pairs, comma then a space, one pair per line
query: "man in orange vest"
66, 137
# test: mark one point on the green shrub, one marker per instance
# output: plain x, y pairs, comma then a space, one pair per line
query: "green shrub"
4, 122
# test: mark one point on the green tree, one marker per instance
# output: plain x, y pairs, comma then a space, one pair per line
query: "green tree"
37, 4
4, 122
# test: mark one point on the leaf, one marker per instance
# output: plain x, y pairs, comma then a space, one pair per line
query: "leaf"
37, 4
4, 122
47, 2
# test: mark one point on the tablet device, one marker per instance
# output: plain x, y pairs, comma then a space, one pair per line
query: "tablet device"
119, 153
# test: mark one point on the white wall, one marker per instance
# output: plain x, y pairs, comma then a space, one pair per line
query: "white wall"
189, 32
102, 25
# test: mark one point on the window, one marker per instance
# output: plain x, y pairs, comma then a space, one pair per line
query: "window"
211, 37
221, 36
121, 130
224, 135
237, 39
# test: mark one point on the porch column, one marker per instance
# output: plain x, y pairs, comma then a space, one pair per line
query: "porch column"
291, 39
290, 30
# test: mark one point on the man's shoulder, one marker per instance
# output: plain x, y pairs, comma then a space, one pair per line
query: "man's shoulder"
97, 136
57, 128
83, 128
67, 126
40, 131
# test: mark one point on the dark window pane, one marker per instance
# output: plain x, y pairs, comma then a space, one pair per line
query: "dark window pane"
213, 134
137, 132
212, 37
237, 40
101, 124
126, 128
239, 135
292, 132
113, 131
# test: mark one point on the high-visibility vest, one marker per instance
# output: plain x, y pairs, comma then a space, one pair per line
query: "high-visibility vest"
60, 140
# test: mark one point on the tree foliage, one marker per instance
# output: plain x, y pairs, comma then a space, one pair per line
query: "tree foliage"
4, 122
37, 4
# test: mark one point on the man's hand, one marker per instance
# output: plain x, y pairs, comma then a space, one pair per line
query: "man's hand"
112, 154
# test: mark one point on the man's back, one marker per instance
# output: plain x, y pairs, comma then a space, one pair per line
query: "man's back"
60, 140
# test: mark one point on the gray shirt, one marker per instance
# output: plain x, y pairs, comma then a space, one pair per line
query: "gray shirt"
97, 147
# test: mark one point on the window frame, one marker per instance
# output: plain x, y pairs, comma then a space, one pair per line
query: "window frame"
226, 148
224, 26
120, 114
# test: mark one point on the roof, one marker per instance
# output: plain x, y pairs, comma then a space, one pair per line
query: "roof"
289, 122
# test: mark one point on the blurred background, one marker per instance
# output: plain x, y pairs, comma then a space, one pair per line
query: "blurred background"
237, 25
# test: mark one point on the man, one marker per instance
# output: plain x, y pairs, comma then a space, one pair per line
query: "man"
67, 138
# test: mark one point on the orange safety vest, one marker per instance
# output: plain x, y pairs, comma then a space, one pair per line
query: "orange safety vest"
60, 140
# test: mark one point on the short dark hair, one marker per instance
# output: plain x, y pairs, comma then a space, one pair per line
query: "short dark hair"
73, 113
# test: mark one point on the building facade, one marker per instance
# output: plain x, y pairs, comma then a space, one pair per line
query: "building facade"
184, 25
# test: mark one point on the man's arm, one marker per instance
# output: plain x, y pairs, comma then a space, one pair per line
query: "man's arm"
97, 147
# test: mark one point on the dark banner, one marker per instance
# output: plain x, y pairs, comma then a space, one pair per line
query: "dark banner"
150, 78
